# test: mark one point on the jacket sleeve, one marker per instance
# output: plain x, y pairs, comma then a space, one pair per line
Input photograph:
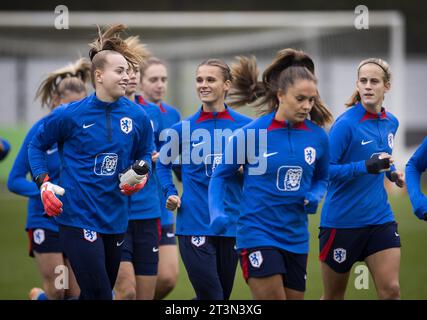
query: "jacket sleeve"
17, 181
416, 165
54, 129
218, 182
339, 140
320, 179
170, 150
144, 145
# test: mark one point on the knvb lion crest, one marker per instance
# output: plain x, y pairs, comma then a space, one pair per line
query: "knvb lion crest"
126, 124
340, 255
38, 236
90, 235
255, 258
310, 155
198, 240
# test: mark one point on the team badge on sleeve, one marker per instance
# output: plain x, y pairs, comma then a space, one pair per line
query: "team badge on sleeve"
310, 155
126, 124
289, 178
390, 140
198, 240
90, 235
38, 236
340, 255
255, 258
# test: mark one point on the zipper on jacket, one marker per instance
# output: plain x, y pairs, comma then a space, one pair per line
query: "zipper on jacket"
291, 147
379, 131
108, 123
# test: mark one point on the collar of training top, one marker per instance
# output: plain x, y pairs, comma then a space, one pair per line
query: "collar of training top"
276, 124
141, 100
372, 116
204, 116
103, 104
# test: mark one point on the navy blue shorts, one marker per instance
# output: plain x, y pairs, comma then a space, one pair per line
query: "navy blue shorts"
341, 248
141, 246
95, 259
211, 265
168, 235
43, 241
268, 261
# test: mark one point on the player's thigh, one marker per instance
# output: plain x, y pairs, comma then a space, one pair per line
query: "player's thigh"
267, 288
334, 283
168, 262
48, 264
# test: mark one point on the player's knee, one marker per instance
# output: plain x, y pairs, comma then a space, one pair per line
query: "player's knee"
390, 292
125, 293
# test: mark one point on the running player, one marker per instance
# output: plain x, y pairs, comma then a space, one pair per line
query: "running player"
98, 138
357, 223
285, 157
210, 259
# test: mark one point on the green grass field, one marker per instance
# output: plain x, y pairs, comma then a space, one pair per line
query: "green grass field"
18, 271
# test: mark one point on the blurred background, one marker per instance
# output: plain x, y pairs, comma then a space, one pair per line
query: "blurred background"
336, 34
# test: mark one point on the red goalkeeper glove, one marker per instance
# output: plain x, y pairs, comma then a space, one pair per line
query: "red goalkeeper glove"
52, 205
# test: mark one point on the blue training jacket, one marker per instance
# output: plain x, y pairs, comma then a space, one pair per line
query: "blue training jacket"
200, 156
19, 184
146, 203
96, 141
292, 166
414, 168
356, 198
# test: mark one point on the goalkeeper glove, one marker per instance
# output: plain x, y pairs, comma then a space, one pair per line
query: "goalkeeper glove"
378, 163
52, 205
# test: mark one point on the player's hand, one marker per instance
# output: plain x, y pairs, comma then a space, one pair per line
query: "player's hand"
154, 156
398, 178
52, 205
173, 202
379, 163
129, 190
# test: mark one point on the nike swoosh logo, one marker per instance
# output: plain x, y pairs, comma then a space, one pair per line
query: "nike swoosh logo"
170, 235
50, 151
198, 143
155, 249
396, 234
88, 126
120, 243
266, 155
365, 142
